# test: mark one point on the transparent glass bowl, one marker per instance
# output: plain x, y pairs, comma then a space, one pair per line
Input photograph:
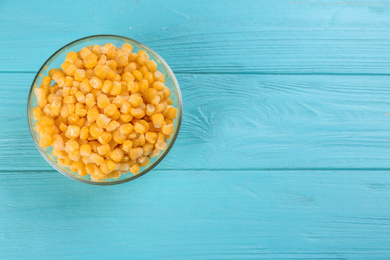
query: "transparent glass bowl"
57, 59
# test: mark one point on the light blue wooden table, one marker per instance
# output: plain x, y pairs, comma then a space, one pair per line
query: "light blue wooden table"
284, 150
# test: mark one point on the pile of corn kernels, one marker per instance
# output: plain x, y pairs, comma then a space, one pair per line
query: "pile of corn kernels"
108, 111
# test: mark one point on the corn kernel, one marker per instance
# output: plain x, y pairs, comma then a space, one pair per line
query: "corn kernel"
167, 129
97, 159
112, 126
85, 150
95, 131
71, 146
151, 65
135, 153
103, 149
126, 129
102, 121
127, 145
73, 131
107, 86
92, 115
139, 128
126, 117
118, 137
134, 169
105, 138
84, 132
102, 101
37, 113
85, 87
116, 155
171, 113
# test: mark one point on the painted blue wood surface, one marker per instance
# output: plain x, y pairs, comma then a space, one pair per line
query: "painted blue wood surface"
284, 148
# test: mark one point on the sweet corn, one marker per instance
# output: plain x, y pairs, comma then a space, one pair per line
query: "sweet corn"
109, 102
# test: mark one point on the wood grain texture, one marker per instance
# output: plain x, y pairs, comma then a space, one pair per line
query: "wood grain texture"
248, 122
199, 215
253, 36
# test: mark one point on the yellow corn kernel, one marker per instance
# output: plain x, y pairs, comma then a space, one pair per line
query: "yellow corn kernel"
97, 175
161, 145
92, 115
118, 137
159, 108
46, 80
131, 67
81, 112
137, 74
158, 85
85, 150
151, 65
45, 141
90, 167
107, 86
135, 153
61, 154
78, 164
121, 60
73, 119
143, 85
110, 110
143, 70
149, 109
114, 175
69, 81
95, 131
169, 101
155, 100
105, 138
82, 172
46, 120
103, 149
112, 64
95, 83
171, 113
156, 152
79, 75
69, 100
145, 161
126, 117
118, 101
149, 77
158, 76
63, 127
102, 121
85, 87
137, 112
132, 135
73, 131
111, 75
126, 129
74, 156
101, 70
41, 93
168, 129
135, 100
127, 47
139, 128
166, 92
116, 116
134, 169
81, 122
126, 107
90, 99
71, 146
158, 120
104, 168
71, 57
102, 101
84, 132
102, 60
127, 145
116, 88
79, 63
68, 68
116, 155
113, 144
37, 113
111, 165
96, 50
97, 159
90, 61
80, 96
149, 94
147, 148
151, 137
127, 76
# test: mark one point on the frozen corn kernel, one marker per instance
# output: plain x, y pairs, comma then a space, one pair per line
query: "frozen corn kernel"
107, 86
137, 74
118, 137
71, 146
134, 169
102, 120
139, 128
97, 159
126, 117
85, 150
126, 107
92, 115
158, 120
84, 132
105, 138
112, 126
127, 145
135, 153
102, 101
95, 131
116, 155
167, 129
37, 113
103, 149
85, 87
116, 88
74, 156
126, 129
135, 100
73, 131
151, 65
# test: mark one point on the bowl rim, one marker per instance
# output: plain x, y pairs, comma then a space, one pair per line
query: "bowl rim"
160, 157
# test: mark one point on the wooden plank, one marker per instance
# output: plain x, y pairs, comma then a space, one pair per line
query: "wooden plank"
198, 215
276, 37
247, 122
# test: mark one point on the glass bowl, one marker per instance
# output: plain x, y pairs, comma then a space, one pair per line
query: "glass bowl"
57, 59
